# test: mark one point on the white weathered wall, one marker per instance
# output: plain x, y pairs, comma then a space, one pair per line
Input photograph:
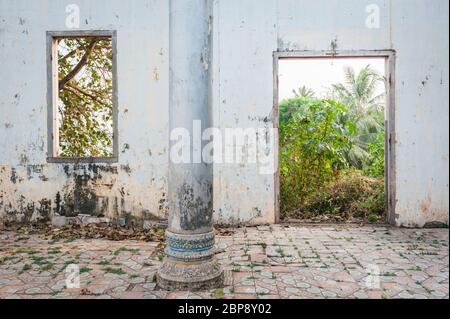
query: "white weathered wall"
245, 37
137, 184
420, 36
246, 33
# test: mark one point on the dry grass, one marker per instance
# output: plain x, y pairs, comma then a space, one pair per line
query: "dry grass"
350, 195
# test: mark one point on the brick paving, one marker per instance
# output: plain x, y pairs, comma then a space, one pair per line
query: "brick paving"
280, 261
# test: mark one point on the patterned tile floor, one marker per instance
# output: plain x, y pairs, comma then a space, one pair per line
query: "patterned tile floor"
261, 262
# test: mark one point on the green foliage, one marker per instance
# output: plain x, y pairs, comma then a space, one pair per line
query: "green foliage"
115, 271
365, 109
374, 165
350, 194
288, 108
332, 151
313, 145
85, 107
218, 293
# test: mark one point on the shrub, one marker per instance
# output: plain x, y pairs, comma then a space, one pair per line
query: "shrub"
290, 107
350, 194
313, 145
375, 164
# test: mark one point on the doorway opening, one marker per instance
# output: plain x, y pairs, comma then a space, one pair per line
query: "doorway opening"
336, 124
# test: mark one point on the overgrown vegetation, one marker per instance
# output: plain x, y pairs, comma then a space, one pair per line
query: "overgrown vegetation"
332, 150
350, 194
85, 107
313, 148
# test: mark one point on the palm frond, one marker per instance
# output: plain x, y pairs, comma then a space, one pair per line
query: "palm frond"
365, 108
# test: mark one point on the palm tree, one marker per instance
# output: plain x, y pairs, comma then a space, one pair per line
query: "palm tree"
304, 91
365, 109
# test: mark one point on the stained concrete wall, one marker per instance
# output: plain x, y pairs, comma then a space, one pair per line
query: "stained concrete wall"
246, 33
137, 184
420, 36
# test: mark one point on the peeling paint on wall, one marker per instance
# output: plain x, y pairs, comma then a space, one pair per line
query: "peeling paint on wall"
28, 194
245, 35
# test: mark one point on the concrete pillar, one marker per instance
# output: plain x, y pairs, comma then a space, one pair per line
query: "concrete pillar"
190, 263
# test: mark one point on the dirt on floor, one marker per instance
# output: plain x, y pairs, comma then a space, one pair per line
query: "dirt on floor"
89, 231
108, 231
264, 262
302, 217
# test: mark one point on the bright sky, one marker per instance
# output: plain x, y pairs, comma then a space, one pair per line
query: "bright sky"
319, 74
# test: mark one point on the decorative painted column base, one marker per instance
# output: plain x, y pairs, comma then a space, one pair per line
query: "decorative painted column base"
190, 264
